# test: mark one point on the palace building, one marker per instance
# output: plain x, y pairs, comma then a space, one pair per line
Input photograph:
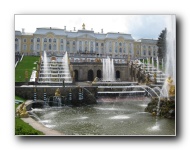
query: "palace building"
57, 41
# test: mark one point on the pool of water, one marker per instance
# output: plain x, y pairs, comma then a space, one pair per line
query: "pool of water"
116, 116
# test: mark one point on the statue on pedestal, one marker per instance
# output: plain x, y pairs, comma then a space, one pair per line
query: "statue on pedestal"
21, 112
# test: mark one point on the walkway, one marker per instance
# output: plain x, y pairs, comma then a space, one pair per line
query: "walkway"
38, 126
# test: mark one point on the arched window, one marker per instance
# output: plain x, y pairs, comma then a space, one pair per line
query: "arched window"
61, 40
144, 52
120, 50
45, 46
16, 40
61, 47
54, 40
149, 52
73, 42
45, 40
24, 47
54, 47
31, 47
50, 40
16, 47
110, 49
24, 40
99, 73
38, 39
49, 46
91, 49
154, 53
38, 46
120, 44
124, 50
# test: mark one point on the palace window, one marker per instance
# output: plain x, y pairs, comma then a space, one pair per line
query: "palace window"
54, 40
91, 43
137, 52
45, 40
97, 49
144, 52
31, 47
149, 52
68, 43
110, 49
61, 40
154, 53
31, 40
80, 49
24, 40
49, 46
144, 47
91, 49
54, 47
124, 50
45, 46
61, 47
24, 47
96, 43
38, 39
49, 40
116, 49
102, 44
120, 44
38, 46
16, 40
80, 42
73, 42
120, 50
68, 48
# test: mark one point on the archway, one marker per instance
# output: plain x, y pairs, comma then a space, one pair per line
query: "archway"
117, 74
90, 75
76, 75
99, 73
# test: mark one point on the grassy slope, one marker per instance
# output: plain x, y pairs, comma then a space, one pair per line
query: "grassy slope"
22, 128
26, 64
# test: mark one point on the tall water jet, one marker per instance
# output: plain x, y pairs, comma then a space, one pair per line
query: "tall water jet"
108, 70
46, 66
152, 63
157, 62
66, 70
170, 66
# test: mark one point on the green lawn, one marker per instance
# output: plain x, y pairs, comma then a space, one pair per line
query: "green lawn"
26, 64
22, 128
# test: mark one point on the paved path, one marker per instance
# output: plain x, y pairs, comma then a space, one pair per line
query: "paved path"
36, 125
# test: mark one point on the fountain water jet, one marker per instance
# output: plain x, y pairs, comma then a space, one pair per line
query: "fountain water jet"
108, 70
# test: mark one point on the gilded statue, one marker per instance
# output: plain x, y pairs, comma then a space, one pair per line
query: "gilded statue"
83, 26
22, 112
57, 92
171, 87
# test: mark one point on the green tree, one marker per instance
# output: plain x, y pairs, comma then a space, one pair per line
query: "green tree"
162, 45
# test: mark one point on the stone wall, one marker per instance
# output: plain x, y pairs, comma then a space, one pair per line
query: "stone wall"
28, 93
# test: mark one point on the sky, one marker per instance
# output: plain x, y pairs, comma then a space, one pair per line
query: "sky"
139, 26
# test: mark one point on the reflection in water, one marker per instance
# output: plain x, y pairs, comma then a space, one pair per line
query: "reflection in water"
124, 117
